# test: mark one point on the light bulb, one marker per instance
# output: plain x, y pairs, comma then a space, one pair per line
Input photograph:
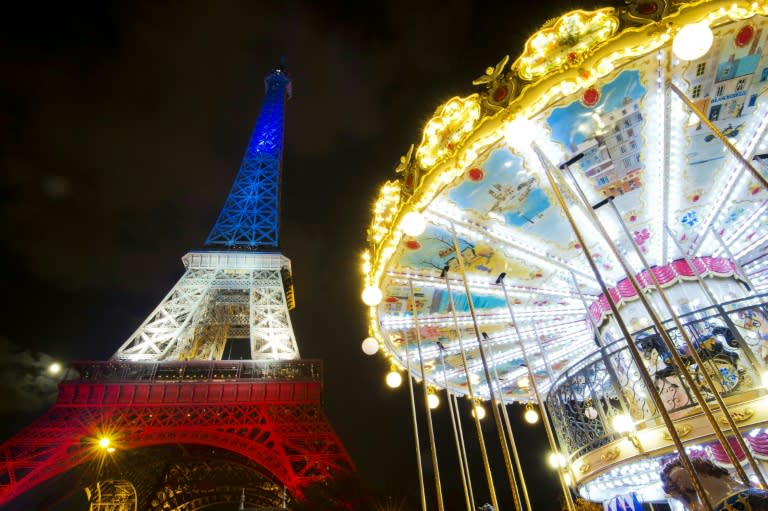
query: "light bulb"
519, 132
623, 423
556, 460
433, 400
372, 296
591, 412
413, 223
692, 41
54, 368
478, 411
531, 416
370, 346
394, 379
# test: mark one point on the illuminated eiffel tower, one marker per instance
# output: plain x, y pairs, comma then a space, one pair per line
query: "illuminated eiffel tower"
209, 395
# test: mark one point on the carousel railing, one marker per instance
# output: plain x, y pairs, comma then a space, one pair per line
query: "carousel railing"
731, 339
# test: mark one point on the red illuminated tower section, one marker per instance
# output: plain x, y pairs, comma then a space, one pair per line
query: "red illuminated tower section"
209, 394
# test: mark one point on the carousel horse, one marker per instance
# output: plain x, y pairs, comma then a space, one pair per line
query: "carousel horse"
720, 362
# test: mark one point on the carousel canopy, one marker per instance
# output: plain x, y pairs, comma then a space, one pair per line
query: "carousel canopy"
605, 113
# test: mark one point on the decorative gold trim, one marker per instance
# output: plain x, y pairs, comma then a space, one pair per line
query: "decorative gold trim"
738, 416
584, 467
566, 41
683, 430
610, 454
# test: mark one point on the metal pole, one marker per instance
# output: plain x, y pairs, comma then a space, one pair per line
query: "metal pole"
663, 334
716, 132
694, 354
433, 447
488, 380
542, 410
601, 342
455, 402
415, 428
733, 259
478, 427
636, 356
459, 450
507, 424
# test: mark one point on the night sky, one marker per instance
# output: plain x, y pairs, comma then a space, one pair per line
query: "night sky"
122, 126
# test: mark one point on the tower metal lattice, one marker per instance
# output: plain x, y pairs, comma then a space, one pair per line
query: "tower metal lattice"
181, 379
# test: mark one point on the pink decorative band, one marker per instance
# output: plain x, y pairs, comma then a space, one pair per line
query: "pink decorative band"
666, 275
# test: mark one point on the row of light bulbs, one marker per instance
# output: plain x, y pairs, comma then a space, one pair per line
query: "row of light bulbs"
394, 379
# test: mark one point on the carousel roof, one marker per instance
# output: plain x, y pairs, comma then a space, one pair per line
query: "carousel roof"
596, 89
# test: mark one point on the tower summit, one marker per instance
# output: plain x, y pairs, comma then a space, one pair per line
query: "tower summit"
250, 218
210, 383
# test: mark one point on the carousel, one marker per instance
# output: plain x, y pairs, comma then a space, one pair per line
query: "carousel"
587, 235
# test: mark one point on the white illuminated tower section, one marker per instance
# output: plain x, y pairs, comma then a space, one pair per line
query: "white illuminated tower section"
234, 298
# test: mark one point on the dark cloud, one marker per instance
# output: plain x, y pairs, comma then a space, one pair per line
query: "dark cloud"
25, 383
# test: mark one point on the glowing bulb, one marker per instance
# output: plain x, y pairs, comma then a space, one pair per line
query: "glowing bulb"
623, 424
692, 41
372, 296
478, 411
370, 346
104, 442
531, 416
413, 223
433, 400
54, 368
590, 412
394, 379
556, 460
567, 479
519, 132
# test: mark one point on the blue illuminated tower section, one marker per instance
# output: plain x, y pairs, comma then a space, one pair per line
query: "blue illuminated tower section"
250, 217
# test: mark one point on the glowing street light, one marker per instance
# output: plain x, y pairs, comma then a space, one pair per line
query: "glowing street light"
54, 368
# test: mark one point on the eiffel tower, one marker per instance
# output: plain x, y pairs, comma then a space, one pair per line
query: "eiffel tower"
209, 395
